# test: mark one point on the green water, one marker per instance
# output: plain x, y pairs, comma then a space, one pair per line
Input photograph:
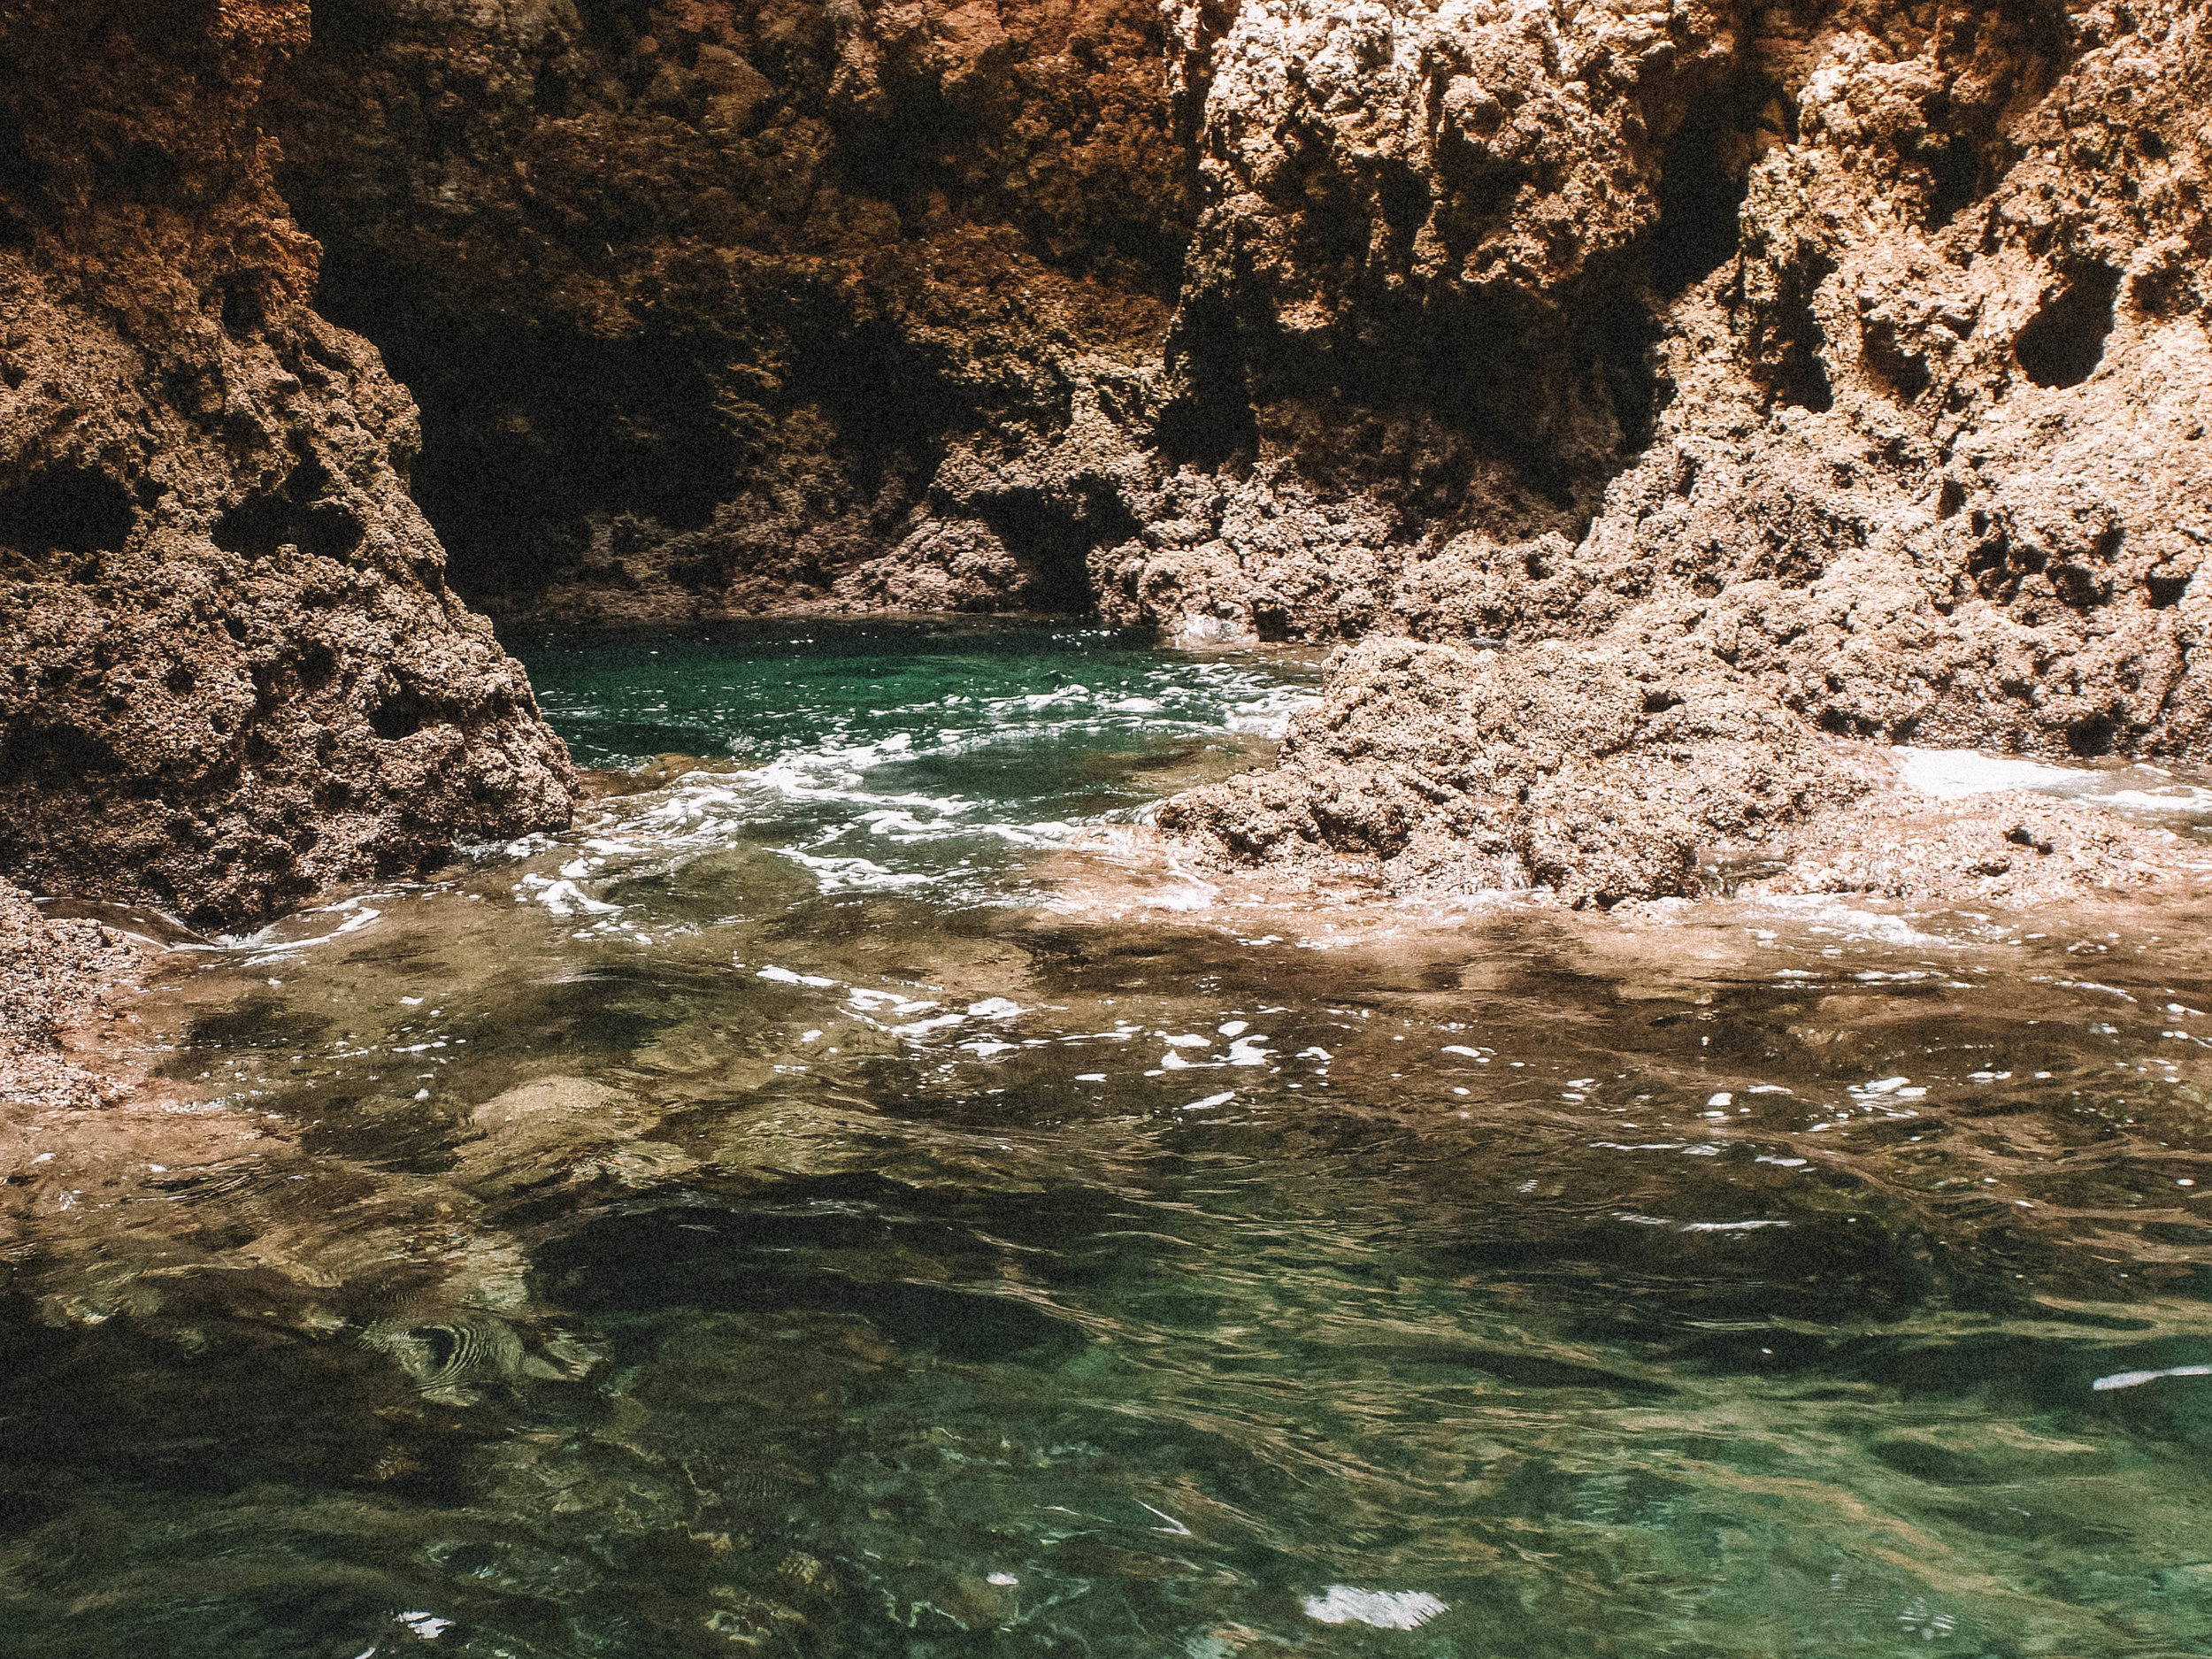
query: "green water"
854, 1197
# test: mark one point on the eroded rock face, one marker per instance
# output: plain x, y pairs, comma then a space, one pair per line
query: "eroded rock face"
235, 673
1931, 466
698, 296
1757, 377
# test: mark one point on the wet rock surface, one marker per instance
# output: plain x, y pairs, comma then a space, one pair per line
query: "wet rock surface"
56, 977
234, 672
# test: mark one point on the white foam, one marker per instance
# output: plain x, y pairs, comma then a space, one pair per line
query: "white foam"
1953, 774
563, 897
2137, 1379
1384, 1609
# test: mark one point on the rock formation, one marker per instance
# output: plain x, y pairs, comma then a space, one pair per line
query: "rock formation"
1927, 460
1743, 377
235, 673
702, 299
53, 977
1660, 396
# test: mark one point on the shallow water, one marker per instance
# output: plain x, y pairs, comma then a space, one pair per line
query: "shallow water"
854, 1197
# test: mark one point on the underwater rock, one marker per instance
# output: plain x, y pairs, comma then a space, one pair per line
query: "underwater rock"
54, 975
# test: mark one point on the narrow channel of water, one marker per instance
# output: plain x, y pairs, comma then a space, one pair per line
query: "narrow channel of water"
850, 1198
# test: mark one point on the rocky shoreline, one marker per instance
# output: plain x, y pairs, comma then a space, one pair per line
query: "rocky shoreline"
58, 982
1666, 405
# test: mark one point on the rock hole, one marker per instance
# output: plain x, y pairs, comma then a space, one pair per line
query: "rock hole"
2063, 343
1273, 623
2166, 585
291, 513
318, 663
2093, 736
31, 752
351, 25
66, 509
1954, 177
401, 714
1703, 172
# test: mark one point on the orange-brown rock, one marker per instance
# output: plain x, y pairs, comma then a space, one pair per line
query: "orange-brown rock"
1769, 378
233, 673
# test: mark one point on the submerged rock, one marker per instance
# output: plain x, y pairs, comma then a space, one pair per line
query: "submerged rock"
54, 976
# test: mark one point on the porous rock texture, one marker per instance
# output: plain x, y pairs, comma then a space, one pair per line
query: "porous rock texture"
1928, 458
54, 975
1665, 395
1668, 401
233, 673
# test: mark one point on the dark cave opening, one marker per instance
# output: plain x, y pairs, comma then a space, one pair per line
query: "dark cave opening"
1705, 169
549, 454
1055, 542
293, 513
528, 433
1210, 421
66, 509
2064, 342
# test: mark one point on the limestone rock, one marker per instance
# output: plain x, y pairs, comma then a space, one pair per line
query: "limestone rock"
235, 673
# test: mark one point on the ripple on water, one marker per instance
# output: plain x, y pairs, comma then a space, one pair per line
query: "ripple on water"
776, 1258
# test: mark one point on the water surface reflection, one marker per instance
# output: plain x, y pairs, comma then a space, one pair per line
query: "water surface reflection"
655, 1242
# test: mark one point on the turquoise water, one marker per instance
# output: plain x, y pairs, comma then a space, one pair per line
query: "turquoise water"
854, 1196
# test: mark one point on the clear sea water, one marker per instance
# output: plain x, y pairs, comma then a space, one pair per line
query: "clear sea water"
855, 1195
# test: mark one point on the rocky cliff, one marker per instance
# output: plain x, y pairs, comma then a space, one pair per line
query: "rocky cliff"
1926, 451
1661, 397
235, 673
1702, 383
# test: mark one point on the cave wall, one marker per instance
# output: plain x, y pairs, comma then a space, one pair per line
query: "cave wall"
1289, 318
697, 296
1828, 370
233, 673
1928, 461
